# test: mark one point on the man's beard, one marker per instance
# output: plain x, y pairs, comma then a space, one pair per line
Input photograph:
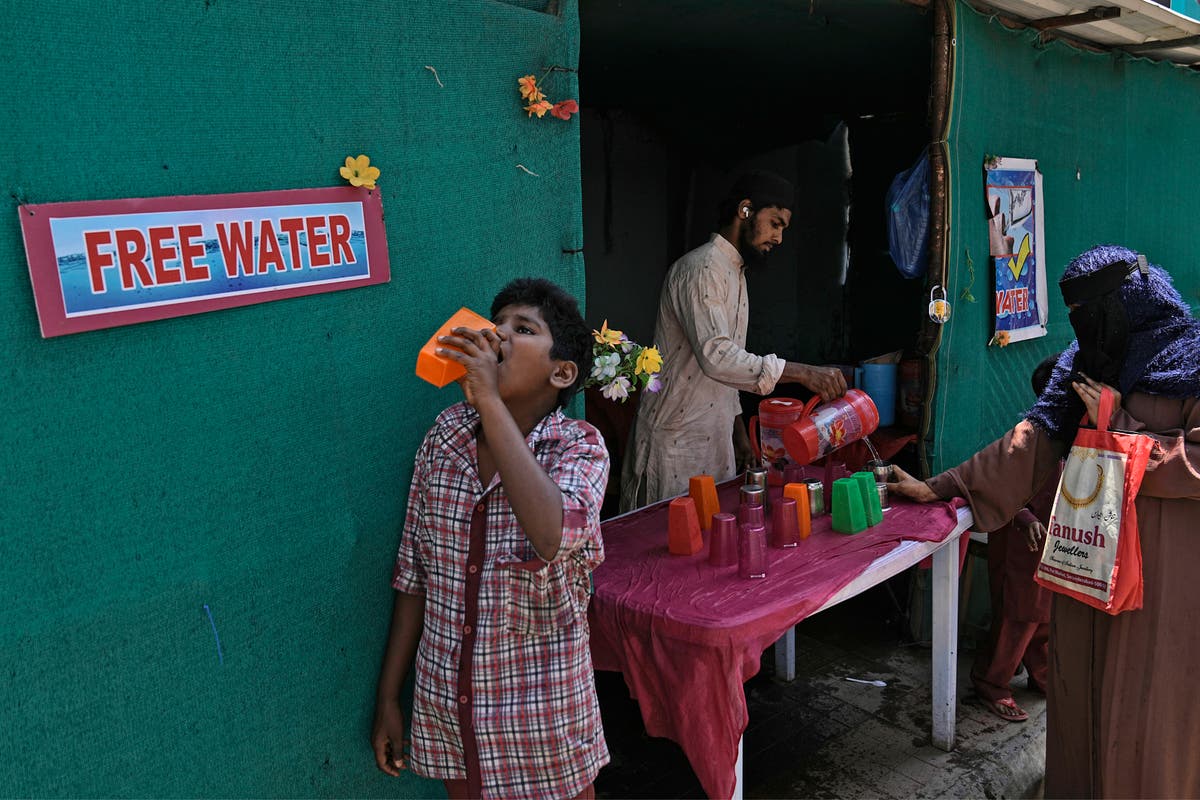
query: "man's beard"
751, 255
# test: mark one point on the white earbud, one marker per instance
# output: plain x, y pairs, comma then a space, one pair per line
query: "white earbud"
745, 212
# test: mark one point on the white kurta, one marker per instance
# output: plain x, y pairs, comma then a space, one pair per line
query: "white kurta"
686, 428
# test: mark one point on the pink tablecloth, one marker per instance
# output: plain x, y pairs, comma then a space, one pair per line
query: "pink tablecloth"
686, 636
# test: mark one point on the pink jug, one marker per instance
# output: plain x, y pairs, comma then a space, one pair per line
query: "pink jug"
766, 434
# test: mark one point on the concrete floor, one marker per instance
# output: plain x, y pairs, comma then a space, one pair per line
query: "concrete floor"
824, 737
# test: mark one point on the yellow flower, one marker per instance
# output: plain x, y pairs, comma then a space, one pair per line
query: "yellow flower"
606, 335
360, 172
649, 361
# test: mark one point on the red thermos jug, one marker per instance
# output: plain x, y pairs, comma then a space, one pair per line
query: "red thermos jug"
823, 429
766, 434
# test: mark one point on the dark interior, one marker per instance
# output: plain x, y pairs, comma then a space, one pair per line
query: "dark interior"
678, 96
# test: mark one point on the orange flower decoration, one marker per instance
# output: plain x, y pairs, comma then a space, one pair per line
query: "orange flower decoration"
540, 108
1002, 338
538, 104
529, 89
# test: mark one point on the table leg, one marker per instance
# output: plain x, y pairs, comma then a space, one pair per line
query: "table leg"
785, 656
737, 772
945, 642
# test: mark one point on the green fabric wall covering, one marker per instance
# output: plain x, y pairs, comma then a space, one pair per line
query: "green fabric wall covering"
255, 460
1115, 140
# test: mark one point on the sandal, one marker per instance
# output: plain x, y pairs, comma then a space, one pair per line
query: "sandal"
1006, 709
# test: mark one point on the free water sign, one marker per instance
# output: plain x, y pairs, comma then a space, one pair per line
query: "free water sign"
106, 263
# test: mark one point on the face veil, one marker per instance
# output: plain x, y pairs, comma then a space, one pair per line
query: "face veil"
1133, 330
1099, 319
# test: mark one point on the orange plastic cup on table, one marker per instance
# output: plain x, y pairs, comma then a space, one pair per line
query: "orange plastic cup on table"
799, 493
683, 528
440, 370
703, 491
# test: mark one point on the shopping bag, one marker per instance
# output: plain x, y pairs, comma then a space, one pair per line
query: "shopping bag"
1092, 551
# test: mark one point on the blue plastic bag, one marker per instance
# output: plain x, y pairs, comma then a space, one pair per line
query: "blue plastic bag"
907, 202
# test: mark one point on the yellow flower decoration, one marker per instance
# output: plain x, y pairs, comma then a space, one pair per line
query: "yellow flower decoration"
360, 172
649, 361
607, 335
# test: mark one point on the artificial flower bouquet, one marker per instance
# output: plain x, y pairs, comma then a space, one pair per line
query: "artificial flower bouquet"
620, 366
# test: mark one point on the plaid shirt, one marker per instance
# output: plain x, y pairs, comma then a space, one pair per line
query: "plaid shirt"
505, 693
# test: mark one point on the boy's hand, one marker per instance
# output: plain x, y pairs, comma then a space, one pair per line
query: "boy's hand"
1034, 534
388, 739
480, 354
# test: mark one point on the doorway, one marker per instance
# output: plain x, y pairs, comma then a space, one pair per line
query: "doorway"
679, 96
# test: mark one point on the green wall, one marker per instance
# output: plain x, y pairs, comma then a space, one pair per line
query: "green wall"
252, 461
1114, 138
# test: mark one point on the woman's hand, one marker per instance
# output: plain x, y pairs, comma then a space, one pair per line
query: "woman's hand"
908, 486
1089, 392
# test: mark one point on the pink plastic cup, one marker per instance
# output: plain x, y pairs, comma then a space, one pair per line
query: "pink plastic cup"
751, 515
723, 541
752, 551
785, 525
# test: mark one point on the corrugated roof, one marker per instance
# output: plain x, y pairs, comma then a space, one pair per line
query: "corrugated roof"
1139, 27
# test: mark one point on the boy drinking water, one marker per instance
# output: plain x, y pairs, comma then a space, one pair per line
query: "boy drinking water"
492, 577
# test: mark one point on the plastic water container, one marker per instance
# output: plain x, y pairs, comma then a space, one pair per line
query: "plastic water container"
766, 434
879, 382
823, 429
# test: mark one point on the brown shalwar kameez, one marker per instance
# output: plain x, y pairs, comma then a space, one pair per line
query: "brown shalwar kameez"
1123, 714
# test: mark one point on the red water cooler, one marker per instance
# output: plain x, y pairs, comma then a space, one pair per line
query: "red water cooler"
822, 429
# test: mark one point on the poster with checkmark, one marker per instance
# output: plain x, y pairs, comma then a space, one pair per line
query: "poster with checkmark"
1013, 189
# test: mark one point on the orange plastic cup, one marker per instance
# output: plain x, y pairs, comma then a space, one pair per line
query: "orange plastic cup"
440, 370
799, 493
683, 528
703, 491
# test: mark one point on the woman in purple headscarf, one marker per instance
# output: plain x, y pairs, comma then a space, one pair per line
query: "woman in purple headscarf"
1123, 719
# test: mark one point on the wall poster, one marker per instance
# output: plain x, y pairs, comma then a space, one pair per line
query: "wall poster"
104, 263
1017, 247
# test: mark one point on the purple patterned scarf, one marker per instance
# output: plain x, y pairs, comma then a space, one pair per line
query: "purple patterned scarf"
1164, 344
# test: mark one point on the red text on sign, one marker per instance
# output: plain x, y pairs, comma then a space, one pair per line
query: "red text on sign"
327, 244
1012, 301
173, 255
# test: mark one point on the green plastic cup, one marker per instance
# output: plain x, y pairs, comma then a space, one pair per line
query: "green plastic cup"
866, 483
849, 515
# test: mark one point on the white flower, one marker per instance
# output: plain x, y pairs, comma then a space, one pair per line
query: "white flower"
604, 367
618, 389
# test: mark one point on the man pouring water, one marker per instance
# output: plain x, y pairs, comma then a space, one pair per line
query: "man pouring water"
693, 426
